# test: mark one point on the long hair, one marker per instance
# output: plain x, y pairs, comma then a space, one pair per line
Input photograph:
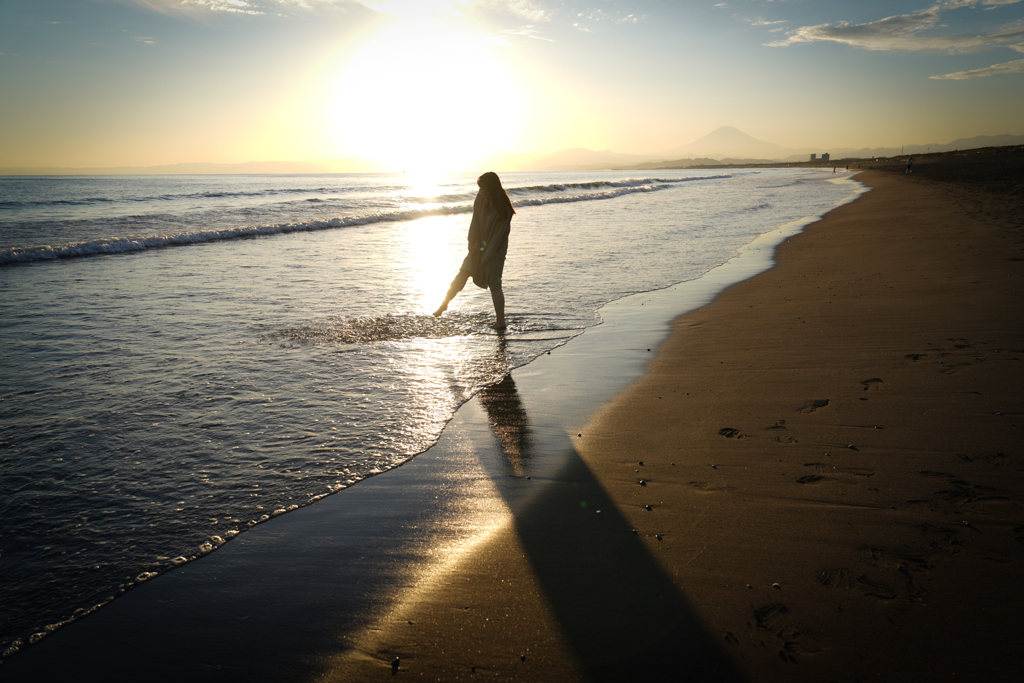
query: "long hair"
491, 185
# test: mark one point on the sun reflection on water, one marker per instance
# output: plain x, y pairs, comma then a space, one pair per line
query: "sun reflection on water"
423, 182
433, 255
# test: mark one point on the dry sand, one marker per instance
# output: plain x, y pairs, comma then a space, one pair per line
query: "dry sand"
832, 478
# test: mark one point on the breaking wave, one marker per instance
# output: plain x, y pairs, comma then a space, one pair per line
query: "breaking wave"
533, 195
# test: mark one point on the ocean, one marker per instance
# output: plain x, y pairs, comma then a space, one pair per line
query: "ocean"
185, 357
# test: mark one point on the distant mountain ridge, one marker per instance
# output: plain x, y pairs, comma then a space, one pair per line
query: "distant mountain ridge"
730, 145
976, 142
725, 144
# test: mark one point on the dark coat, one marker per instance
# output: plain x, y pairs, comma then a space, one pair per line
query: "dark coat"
488, 242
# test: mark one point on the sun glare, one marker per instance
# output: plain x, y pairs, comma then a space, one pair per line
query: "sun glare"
431, 264
424, 99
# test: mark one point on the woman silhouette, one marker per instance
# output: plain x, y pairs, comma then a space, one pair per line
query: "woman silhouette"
488, 244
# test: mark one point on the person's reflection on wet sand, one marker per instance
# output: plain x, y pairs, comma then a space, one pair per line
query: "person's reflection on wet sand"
508, 421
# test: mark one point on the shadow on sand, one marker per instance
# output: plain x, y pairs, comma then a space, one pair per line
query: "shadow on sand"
623, 617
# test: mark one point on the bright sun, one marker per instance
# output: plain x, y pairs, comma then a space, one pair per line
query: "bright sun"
424, 99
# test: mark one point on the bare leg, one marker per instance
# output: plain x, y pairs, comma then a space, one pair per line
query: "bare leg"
457, 284
498, 297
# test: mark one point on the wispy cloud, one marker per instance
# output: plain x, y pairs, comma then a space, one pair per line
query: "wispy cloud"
584, 15
912, 32
198, 6
1014, 67
237, 6
531, 10
525, 9
522, 31
593, 16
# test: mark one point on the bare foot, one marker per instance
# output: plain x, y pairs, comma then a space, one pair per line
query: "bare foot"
498, 325
442, 309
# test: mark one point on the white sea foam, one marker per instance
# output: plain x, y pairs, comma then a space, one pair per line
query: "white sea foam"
597, 184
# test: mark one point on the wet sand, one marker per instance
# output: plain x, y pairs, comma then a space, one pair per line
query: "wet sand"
823, 469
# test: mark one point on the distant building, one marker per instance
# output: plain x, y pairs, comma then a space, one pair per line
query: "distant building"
825, 156
814, 157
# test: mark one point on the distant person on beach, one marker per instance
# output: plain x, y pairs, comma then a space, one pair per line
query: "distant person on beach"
488, 244
910, 164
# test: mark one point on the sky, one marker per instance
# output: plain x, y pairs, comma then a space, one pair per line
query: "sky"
97, 83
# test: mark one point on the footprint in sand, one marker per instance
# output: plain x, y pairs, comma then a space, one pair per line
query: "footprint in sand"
815, 405
990, 458
964, 493
835, 578
777, 619
873, 382
770, 616
779, 430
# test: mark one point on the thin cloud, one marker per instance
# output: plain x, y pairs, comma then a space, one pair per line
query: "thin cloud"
905, 32
533, 11
525, 9
235, 6
524, 31
593, 15
196, 7
602, 16
201, 6
1014, 67
583, 15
